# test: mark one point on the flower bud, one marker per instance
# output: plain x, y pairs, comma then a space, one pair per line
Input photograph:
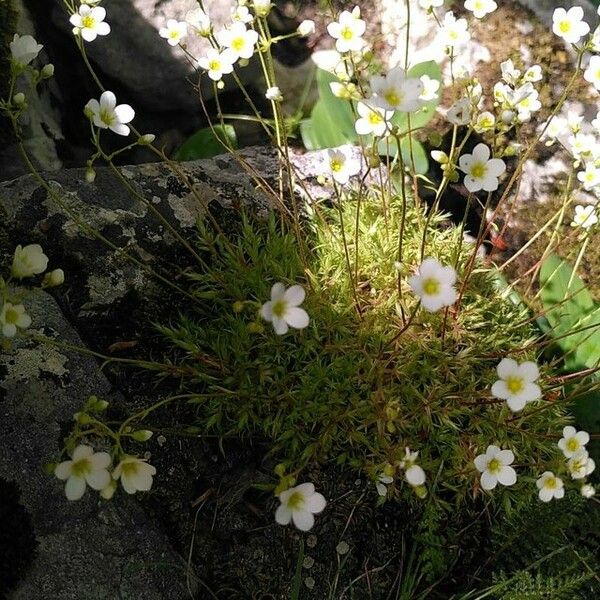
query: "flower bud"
142, 435
420, 491
82, 418
439, 156
47, 71
54, 278
109, 491
146, 139
262, 7
306, 28
19, 99
588, 491
255, 327
507, 117
90, 175
238, 306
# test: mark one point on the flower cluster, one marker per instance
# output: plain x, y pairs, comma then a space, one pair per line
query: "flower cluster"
28, 261
89, 468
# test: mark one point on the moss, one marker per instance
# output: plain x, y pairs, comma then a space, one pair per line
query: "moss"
352, 389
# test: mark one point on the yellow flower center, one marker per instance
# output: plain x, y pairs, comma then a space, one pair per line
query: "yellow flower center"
431, 286
347, 33
478, 171
88, 22
494, 465
279, 308
130, 468
81, 467
393, 98
11, 316
107, 117
238, 44
551, 483
295, 501
565, 26
375, 118
515, 384
335, 165
214, 65
573, 444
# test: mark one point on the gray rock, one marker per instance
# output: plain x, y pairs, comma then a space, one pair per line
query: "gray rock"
90, 549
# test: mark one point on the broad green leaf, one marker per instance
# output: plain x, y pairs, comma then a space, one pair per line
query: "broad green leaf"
322, 130
207, 143
570, 307
419, 156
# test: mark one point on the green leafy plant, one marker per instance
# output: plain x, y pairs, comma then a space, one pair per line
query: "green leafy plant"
208, 142
331, 122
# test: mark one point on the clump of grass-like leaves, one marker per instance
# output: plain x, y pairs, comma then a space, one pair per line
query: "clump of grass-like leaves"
368, 377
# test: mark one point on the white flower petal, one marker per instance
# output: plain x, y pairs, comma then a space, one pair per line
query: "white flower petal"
283, 515
294, 295
75, 488
303, 520
297, 317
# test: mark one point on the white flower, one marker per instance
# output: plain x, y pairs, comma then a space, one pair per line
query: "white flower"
238, 39
485, 122
592, 73
283, 309
413, 473
516, 384
342, 166
198, 20
396, 91
107, 115
299, 505
529, 104
588, 491
262, 7
585, 216
460, 112
590, 177
89, 23
11, 317
427, 4
430, 88
556, 126
85, 467
495, 468
454, 31
582, 145
306, 28
372, 119
481, 171
241, 14
569, 25
135, 474
509, 73
382, 482
533, 74
480, 8
217, 63
273, 93
573, 441
434, 285
173, 32
28, 261
581, 465
24, 49
550, 487
348, 31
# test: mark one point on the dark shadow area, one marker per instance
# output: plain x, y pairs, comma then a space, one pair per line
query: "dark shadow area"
17, 540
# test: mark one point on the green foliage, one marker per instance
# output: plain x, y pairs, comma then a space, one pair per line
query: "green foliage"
331, 122
207, 143
350, 389
573, 315
573, 319
546, 551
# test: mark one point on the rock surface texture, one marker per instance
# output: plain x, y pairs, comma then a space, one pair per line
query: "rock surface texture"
96, 549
